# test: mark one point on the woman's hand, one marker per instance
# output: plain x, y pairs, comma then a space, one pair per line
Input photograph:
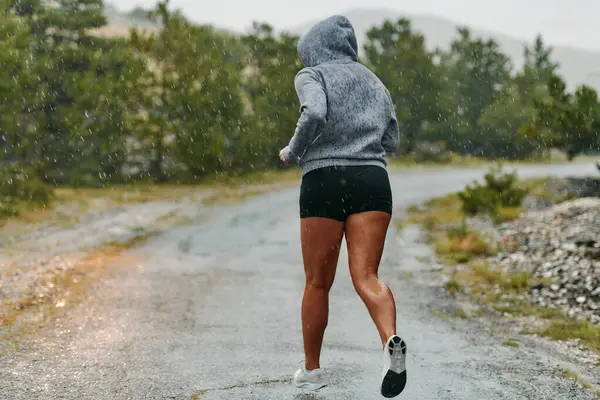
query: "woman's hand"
284, 155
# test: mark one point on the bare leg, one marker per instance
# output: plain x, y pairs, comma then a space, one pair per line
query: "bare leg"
321, 240
365, 236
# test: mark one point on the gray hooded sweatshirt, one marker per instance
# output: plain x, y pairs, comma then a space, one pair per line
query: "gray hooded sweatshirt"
347, 115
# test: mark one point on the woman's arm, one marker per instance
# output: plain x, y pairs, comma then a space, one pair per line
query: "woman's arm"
313, 117
391, 136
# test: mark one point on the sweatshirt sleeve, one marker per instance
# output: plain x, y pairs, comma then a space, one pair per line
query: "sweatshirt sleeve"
313, 113
391, 136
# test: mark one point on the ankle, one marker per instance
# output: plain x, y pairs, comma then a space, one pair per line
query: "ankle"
386, 338
310, 367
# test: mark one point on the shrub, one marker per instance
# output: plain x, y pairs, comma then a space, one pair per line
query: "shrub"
460, 245
20, 189
478, 200
508, 214
498, 191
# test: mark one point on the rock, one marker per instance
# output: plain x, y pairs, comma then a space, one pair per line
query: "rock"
585, 239
561, 244
569, 247
538, 286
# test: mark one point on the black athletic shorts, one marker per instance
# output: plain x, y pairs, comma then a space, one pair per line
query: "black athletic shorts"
338, 192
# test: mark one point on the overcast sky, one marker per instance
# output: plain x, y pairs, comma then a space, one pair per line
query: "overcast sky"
570, 22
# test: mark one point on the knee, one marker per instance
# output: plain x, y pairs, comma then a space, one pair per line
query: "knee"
368, 285
320, 285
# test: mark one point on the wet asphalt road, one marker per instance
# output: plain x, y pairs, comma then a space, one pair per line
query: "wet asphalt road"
213, 309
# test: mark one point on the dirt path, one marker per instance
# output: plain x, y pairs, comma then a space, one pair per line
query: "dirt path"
211, 310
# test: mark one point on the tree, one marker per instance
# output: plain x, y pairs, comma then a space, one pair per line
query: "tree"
76, 72
271, 64
190, 97
116, 77
584, 132
503, 128
539, 60
569, 122
476, 74
509, 122
398, 56
16, 78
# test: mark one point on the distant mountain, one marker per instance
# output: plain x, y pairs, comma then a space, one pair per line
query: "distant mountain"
134, 18
119, 23
577, 66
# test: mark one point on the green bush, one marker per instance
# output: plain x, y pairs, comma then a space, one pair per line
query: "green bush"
21, 189
498, 191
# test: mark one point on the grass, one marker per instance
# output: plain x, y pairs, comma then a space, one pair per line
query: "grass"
424, 259
144, 192
539, 187
225, 196
443, 211
443, 219
441, 316
487, 284
465, 253
528, 310
511, 342
460, 313
571, 375
506, 214
444, 222
564, 328
453, 286
437, 212
213, 191
458, 160
500, 291
462, 248
556, 325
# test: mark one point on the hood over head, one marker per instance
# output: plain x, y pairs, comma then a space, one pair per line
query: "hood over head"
331, 40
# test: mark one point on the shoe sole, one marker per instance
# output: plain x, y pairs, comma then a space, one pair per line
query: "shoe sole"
394, 383
310, 386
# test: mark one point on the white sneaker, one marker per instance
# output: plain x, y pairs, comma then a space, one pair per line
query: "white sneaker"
312, 380
394, 367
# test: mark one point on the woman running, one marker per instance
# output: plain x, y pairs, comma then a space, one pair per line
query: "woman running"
346, 126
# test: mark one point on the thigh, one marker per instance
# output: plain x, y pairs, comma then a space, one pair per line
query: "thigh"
321, 239
365, 237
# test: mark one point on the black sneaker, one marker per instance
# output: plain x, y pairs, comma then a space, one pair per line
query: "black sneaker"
394, 367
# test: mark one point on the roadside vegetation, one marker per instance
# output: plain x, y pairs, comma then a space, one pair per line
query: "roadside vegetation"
465, 253
33, 200
182, 104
